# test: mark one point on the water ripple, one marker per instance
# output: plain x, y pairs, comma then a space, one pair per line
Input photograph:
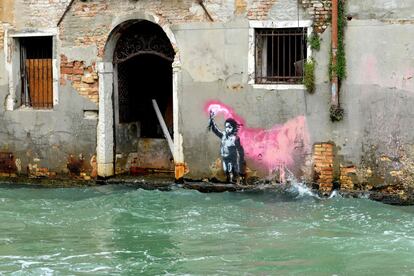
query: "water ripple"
119, 230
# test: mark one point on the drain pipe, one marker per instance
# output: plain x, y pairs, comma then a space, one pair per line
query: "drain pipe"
334, 81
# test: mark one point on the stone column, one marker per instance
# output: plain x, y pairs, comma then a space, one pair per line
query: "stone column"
180, 166
105, 131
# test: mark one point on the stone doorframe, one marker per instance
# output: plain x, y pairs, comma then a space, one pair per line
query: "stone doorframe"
105, 130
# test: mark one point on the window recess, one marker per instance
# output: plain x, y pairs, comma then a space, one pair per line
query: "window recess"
280, 55
36, 72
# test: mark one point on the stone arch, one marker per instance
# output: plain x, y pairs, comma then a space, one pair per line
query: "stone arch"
125, 21
107, 79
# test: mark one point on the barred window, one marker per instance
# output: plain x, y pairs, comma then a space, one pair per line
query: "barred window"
280, 55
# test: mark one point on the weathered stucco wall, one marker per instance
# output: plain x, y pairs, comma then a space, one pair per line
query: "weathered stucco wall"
6, 17
51, 142
217, 74
381, 9
378, 92
213, 75
215, 67
43, 143
214, 70
375, 134
207, 74
38, 14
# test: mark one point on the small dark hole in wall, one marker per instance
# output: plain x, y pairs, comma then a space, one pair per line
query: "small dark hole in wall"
349, 17
336, 185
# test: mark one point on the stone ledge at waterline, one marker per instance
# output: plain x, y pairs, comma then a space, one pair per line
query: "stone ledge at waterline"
388, 194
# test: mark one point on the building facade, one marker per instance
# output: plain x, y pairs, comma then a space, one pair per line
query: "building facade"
82, 81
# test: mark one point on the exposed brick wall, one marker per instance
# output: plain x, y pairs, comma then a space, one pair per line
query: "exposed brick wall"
83, 36
83, 77
97, 37
39, 13
320, 11
80, 27
260, 9
83, 9
89, 23
240, 7
323, 158
346, 177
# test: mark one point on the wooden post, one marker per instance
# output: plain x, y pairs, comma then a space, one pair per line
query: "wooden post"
163, 127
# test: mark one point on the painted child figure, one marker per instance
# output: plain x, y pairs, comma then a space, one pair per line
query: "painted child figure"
231, 151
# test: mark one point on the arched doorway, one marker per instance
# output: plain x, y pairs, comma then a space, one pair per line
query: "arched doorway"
143, 58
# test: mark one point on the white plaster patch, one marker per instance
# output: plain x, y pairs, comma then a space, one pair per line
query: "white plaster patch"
87, 54
90, 114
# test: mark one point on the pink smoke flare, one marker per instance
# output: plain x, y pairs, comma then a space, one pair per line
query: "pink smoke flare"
272, 149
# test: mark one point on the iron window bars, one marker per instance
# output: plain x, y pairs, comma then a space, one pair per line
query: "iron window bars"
280, 55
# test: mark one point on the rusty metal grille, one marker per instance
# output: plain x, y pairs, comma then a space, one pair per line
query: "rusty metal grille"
280, 55
36, 72
123, 101
143, 38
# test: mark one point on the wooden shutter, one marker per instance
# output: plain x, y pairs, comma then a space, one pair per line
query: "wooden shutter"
39, 78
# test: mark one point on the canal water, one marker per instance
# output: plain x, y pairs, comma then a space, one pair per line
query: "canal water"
119, 230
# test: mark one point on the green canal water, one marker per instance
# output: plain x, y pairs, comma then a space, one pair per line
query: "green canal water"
119, 230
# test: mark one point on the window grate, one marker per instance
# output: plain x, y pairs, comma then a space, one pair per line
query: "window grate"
280, 55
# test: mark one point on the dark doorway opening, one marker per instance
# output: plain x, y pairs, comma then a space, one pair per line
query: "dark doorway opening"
147, 77
143, 63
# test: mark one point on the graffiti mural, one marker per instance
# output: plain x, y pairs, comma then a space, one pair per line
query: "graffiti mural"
275, 150
231, 150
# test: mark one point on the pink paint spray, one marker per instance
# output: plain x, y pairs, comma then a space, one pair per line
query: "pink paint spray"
272, 149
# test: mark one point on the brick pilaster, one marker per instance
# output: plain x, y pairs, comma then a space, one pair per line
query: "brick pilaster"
323, 160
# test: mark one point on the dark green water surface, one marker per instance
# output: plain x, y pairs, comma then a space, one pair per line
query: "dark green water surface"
117, 230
